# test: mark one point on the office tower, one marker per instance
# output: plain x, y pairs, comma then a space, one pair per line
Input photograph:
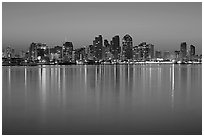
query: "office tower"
106, 43
33, 51
38, 51
107, 50
144, 51
55, 53
136, 54
90, 52
150, 51
192, 52
115, 47
79, 54
127, 47
67, 51
98, 47
183, 50
42, 50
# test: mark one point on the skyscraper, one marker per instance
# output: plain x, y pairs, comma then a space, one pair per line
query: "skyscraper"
136, 53
144, 51
115, 47
183, 50
67, 51
98, 47
150, 51
192, 52
127, 47
107, 50
33, 51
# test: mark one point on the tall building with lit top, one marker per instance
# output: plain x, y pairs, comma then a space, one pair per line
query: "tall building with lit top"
183, 50
33, 51
127, 47
115, 47
98, 47
67, 51
192, 50
150, 51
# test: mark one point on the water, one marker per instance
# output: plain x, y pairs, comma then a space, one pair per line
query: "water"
122, 99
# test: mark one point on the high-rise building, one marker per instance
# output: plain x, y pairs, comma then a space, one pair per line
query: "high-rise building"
127, 47
98, 47
150, 51
38, 51
115, 47
144, 51
67, 51
55, 53
183, 50
192, 50
136, 53
33, 51
90, 53
107, 50
79, 54
106, 43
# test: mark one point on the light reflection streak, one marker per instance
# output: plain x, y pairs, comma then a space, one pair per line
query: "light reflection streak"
64, 87
188, 81
85, 78
159, 77
9, 80
114, 76
173, 88
43, 82
25, 82
25, 77
42, 87
150, 79
58, 77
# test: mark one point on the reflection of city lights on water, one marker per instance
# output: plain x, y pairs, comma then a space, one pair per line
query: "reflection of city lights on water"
172, 88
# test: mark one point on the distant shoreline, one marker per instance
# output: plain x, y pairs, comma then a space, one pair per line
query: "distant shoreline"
158, 63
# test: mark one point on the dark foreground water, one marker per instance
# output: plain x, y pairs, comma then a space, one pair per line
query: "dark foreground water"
135, 99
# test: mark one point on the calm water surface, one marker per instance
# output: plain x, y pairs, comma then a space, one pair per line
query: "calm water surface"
122, 99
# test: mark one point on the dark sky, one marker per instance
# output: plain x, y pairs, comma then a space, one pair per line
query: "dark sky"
165, 25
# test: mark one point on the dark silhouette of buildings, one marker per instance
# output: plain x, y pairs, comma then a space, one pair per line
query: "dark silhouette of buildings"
110, 53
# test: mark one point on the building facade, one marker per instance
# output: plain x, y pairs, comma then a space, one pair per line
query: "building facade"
127, 46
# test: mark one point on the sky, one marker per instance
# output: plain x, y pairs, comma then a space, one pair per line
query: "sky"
165, 25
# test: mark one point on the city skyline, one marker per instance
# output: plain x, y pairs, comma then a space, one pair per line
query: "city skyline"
164, 25
101, 51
